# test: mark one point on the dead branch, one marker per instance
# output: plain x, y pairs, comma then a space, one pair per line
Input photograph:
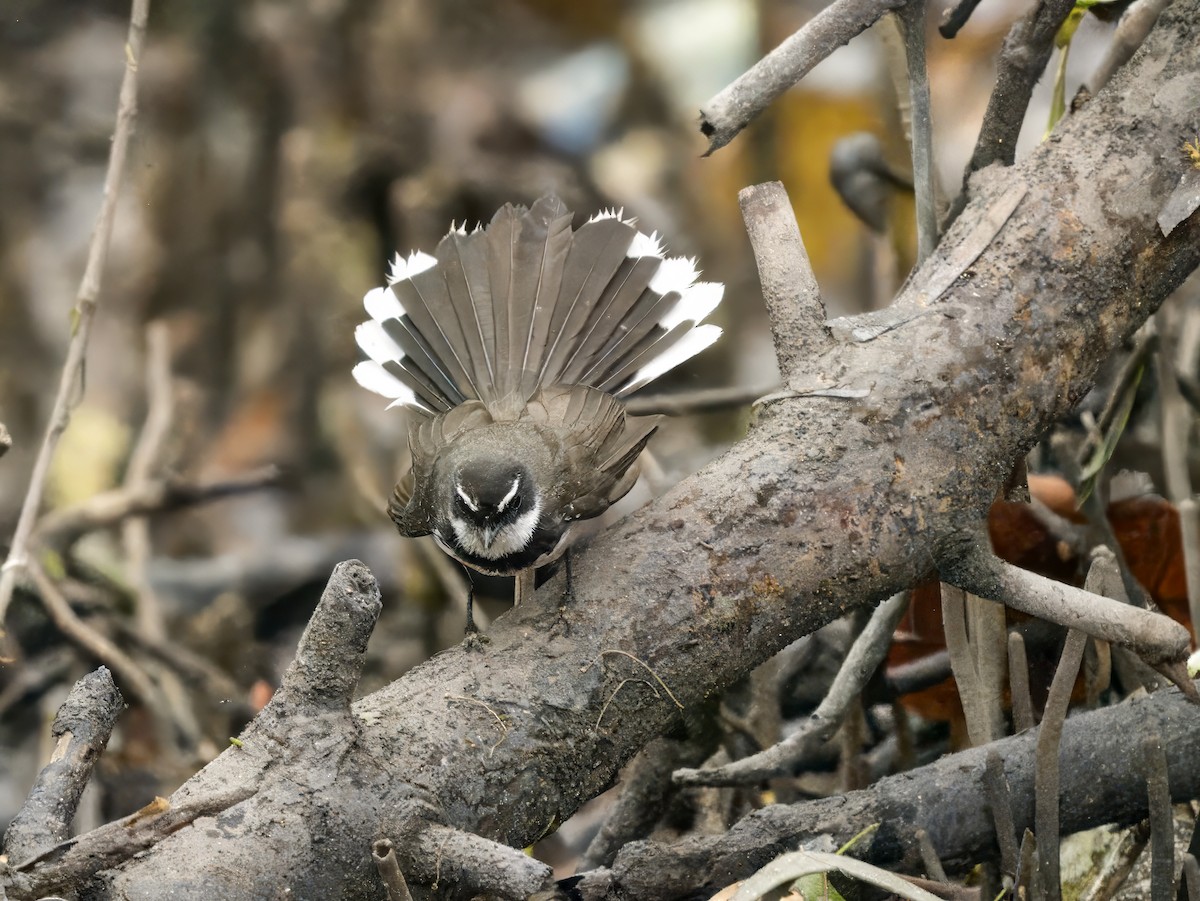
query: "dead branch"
86, 301
62, 528
1026, 51
726, 114
82, 728
864, 658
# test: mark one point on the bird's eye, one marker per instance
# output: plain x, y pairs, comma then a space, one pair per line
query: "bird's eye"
515, 503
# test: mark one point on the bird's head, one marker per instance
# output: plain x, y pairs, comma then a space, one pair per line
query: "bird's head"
494, 507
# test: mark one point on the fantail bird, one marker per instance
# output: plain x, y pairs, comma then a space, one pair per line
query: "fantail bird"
511, 348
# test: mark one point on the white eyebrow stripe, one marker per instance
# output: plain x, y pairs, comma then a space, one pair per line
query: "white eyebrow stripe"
467, 499
511, 492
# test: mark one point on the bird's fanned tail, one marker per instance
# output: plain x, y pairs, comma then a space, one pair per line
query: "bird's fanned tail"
527, 303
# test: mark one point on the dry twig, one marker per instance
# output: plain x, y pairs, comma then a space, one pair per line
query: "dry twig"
726, 114
70, 385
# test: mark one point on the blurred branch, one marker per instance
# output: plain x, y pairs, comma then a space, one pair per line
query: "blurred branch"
956, 17
135, 679
70, 386
726, 114
62, 528
144, 460
912, 18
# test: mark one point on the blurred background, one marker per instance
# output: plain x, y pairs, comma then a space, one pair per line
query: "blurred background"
284, 151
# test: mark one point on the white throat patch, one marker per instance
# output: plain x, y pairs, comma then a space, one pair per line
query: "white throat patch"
509, 539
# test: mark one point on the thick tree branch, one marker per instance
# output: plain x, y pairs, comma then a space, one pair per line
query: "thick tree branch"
831, 503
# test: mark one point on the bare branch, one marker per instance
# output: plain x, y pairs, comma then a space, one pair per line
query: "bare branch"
789, 287
726, 114
85, 307
329, 659
131, 675
912, 17
1026, 51
383, 852
1157, 639
1048, 743
1130, 33
956, 17
704, 400
1000, 804
82, 728
62, 528
75, 860
1162, 818
946, 798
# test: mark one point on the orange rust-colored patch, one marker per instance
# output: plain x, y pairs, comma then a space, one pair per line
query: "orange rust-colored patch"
767, 587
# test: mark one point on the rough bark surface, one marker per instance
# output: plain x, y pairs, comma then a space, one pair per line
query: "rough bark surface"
828, 505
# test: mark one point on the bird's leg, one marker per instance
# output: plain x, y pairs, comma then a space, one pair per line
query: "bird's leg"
523, 585
471, 628
569, 590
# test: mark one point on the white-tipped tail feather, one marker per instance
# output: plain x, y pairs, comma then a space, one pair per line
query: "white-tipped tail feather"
526, 303
693, 342
375, 378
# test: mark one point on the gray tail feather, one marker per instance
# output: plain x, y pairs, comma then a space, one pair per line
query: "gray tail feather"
526, 303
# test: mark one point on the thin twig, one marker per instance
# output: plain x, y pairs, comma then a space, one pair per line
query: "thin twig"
74, 861
142, 463
956, 17
1018, 681
1191, 877
70, 387
726, 114
1162, 819
647, 668
912, 16
1000, 804
62, 528
1157, 639
703, 400
130, 674
929, 857
1118, 863
1046, 778
1130, 32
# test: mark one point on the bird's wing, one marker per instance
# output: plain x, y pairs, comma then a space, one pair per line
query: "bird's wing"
599, 446
413, 507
